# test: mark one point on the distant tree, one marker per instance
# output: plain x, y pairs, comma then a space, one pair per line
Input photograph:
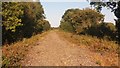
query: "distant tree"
43, 25
79, 20
46, 25
67, 27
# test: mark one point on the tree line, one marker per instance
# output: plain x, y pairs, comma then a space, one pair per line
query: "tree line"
22, 20
88, 22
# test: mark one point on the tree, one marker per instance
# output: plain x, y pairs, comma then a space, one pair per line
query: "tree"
67, 27
115, 7
46, 25
11, 20
20, 20
43, 25
79, 20
102, 30
33, 12
12, 13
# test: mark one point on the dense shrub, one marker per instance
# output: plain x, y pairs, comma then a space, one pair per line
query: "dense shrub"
20, 19
102, 30
67, 27
80, 19
115, 8
46, 25
87, 21
11, 19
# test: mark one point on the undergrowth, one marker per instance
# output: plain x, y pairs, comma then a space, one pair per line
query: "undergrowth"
94, 43
13, 53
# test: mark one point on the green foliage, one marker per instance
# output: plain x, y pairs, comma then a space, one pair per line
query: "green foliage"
11, 19
43, 25
102, 30
66, 26
32, 13
115, 7
5, 62
81, 19
87, 21
20, 19
46, 25
12, 13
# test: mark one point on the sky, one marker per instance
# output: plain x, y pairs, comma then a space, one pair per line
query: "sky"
55, 10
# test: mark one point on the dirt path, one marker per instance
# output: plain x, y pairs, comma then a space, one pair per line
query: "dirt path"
54, 51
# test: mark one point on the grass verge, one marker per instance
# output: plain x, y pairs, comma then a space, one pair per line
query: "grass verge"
105, 51
12, 54
94, 43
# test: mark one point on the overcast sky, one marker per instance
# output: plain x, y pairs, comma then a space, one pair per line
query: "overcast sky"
55, 10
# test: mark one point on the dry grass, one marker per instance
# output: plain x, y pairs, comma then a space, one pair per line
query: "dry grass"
106, 51
94, 43
15, 52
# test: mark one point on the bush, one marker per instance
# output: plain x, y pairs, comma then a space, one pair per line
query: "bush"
67, 27
102, 30
20, 19
87, 21
46, 25
80, 19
